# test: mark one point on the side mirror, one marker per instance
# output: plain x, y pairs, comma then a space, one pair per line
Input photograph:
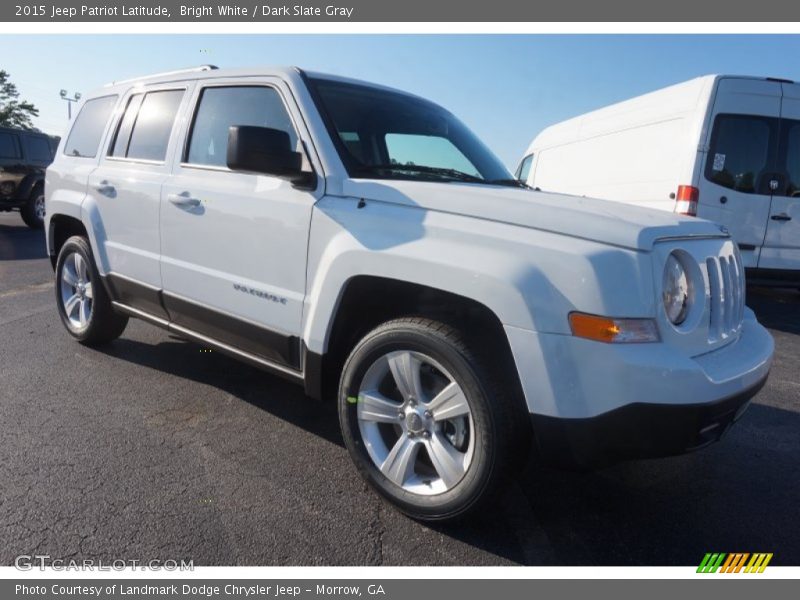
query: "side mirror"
268, 151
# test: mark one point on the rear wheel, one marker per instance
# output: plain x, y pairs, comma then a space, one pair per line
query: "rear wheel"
425, 422
83, 304
34, 210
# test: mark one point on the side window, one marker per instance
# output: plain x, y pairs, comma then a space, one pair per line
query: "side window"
120, 146
792, 129
742, 150
524, 168
219, 108
38, 148
9, 145
428, 150
152, 126
84, 139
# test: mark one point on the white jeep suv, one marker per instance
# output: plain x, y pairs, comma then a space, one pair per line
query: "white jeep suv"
361, 240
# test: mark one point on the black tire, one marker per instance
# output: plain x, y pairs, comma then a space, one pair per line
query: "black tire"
498, 442
103, 323
30, 213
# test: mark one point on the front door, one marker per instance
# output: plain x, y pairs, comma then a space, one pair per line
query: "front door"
740, 172
234, 245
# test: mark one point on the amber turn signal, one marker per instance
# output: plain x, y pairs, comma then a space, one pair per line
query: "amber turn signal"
611, 331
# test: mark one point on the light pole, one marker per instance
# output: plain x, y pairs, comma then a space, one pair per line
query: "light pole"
75, 97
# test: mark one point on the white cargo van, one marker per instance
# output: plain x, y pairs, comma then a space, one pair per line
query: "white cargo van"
720, 147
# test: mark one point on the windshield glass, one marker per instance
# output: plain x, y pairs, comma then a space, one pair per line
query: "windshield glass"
390, 135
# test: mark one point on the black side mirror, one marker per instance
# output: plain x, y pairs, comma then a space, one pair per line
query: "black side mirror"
268, 151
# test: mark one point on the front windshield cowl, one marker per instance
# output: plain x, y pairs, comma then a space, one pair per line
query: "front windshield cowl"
386, 134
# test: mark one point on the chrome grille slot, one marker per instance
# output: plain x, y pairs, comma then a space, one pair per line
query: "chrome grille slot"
727, 297
715, 322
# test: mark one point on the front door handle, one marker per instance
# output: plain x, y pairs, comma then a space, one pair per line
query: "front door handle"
781, 217
184, 200
106, 189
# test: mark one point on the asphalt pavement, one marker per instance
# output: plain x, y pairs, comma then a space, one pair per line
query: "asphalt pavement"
152, 448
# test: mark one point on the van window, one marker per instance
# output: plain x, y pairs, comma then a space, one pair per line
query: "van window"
792, 156
742, 148
220, 108
84, 139
9, 146
153, 125
524, 168
38, 149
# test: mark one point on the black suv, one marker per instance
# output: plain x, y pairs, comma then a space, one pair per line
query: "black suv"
24, 156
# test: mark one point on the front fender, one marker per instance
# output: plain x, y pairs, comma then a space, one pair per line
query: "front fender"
529, 279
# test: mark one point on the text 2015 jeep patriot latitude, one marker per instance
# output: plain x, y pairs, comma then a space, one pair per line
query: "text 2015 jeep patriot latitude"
352, 237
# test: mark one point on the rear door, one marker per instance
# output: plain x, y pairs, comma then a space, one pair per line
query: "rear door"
126, 188
782, 242
740, 171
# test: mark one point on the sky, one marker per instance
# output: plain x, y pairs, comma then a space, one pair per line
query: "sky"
506, 88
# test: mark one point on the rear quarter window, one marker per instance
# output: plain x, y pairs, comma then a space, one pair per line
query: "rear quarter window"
38, 149
87, 131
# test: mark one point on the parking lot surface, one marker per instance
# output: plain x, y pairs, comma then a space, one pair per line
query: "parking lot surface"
152, 448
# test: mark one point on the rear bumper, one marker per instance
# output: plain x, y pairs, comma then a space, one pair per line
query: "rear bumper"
638, 430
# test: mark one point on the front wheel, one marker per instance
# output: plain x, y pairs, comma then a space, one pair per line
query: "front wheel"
424, 420
83, 304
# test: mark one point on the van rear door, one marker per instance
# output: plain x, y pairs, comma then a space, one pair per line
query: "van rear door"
782, 242
739, 168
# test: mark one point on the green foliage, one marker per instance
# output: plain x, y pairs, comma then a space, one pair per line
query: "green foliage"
14, 112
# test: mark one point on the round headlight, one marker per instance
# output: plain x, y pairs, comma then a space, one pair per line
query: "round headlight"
677, 290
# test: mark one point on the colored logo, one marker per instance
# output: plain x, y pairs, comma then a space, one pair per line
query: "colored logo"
735, 562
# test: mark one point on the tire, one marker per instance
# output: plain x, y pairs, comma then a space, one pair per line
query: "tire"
83, 303
33, 212
454, 466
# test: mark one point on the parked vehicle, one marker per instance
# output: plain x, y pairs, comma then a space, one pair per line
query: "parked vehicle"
721, 147
362, 242
24, 156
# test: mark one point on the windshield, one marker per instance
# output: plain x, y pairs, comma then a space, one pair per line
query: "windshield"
390, 135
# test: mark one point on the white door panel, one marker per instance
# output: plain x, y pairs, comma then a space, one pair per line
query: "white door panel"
248, 231
234, 245
782, 242
126, 186
736, 167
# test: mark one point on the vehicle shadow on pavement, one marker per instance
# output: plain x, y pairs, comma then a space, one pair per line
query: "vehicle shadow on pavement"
776, 308
21, 243
738, 495
283, 399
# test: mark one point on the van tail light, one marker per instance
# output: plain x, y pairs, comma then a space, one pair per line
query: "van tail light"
686, 200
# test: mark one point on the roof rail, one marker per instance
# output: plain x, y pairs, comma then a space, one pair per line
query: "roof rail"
165, 73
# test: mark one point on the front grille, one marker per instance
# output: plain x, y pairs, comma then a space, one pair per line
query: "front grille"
726, 283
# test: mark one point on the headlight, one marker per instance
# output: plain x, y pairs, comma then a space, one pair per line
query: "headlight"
677, 290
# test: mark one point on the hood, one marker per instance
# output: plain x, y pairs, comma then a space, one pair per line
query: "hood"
602, 221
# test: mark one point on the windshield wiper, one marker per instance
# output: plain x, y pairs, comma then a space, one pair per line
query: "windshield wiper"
510, 183
449, 173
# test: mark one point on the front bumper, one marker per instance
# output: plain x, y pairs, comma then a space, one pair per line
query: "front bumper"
638, 430
593, 404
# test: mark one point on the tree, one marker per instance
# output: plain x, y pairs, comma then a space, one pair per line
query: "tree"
14, 112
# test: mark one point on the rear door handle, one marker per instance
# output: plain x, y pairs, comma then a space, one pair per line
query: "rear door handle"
184, 200
781, 217
106, 189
